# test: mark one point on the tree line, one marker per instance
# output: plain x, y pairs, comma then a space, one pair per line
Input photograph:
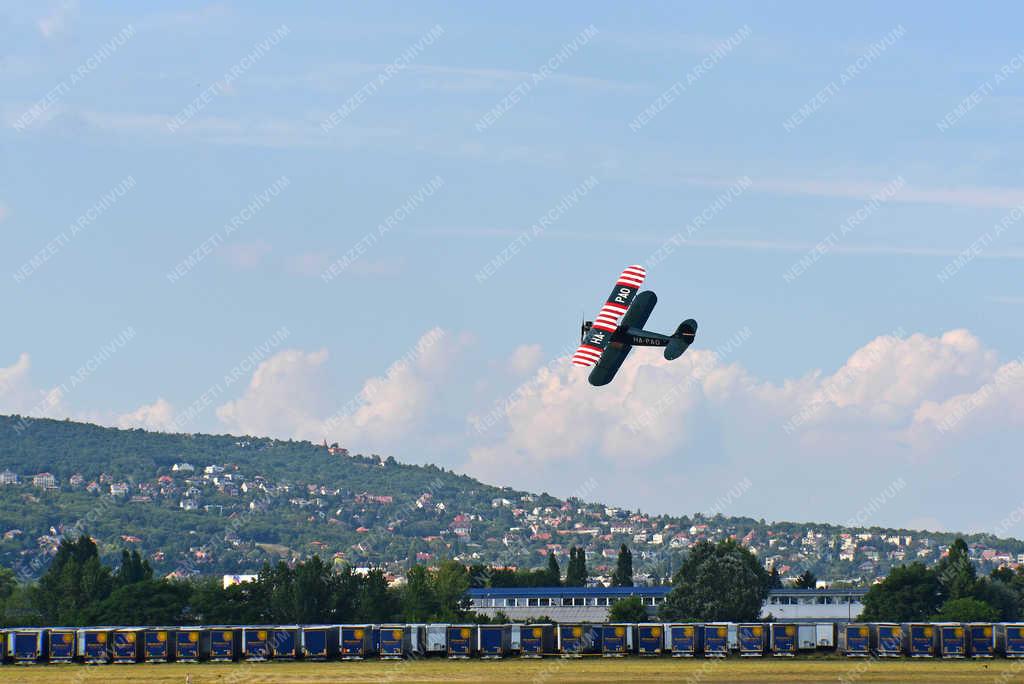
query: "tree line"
951, 591
576, 572
78, 589
715, 582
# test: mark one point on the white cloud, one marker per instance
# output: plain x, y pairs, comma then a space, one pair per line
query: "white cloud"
675, 436
156, 416
526, 358
56, 22
283, 398
246, 255
980, 197
19, 395
398, 403
289, 396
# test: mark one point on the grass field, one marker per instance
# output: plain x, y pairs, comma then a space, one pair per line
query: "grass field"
536, 672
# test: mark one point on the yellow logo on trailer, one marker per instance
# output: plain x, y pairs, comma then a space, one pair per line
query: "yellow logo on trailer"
655, 631
130, 637
537, 632
101, 638
620, 631
896, 632
396, 634
790, 631
577, 631
756, 631
465, 632
193, 637
161, 636
958, 632
863, 631
359, 633
67, 637
261, 635
226, 636
987, 631
928, 632
723, 631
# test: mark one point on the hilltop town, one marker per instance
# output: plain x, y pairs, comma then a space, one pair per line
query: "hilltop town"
212, 505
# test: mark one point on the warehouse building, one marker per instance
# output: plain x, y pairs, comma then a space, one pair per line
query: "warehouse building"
591, 604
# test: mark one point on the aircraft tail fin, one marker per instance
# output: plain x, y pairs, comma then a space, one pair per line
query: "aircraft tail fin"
681, 339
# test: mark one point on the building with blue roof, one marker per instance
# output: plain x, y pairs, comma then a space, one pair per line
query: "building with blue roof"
591, 604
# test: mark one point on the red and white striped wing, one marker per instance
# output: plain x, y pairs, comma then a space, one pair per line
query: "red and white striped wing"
607, 319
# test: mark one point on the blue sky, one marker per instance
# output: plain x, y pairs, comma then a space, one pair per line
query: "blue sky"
90, 92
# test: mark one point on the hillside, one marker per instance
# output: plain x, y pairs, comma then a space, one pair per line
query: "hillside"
224, 504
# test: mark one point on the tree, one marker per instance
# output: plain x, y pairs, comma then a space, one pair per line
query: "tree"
311, 592
419, 602
717, 582
956, 572
629, 609
966, 610
450, 583
8, 583
807, 580
1001, 596
73, 583
376, 603
553, 575
910, 592
146, 602
576, 572
133, 569
623, 575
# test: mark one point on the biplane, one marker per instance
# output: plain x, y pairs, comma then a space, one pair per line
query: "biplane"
606, 341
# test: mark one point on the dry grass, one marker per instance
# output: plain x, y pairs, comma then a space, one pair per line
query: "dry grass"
516, 671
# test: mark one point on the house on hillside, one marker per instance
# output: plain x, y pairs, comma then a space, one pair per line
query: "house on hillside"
44, 481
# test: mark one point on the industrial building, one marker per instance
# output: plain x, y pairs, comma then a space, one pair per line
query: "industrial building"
591, 604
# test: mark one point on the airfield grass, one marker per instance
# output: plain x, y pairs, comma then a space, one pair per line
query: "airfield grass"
514, 671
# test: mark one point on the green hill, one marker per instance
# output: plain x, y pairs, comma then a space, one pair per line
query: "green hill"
247, 499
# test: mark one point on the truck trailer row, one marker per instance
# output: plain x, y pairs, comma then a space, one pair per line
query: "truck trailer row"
227, 643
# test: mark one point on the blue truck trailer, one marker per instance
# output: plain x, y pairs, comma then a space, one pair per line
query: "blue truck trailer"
922, 639
25, 645
225, 644
285, 642
191, 644
783, 639
952, 640
716, 640
981, 639
752, 639
94, 645
1010, 639
461, 641
887, 638
577, 639
855, 640
536, 640
60, 644
319, 642
355, 641
158, 644
684, 640
127, 645
494, 641
616, 640
651, 639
